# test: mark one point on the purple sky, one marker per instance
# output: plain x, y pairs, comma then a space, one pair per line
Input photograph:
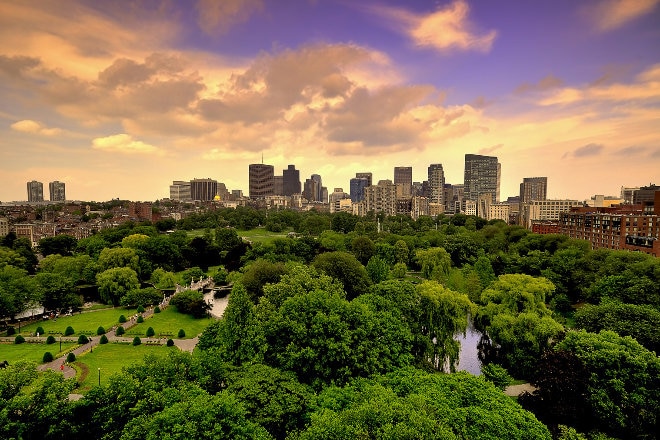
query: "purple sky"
117, 99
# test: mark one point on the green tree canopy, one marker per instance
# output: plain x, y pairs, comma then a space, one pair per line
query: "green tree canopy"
116, 282
345, 268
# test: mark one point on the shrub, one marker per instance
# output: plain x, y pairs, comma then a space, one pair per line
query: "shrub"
140, 309
150, 332
71, 357
137, 340
182, 334
120, 331
69, 331
48, 357
11, 331
170, 342
497, 375
40, 330
82, 339
50, 339
100, 331
122, 319
19, 339
140, 319
103, 340
156, 309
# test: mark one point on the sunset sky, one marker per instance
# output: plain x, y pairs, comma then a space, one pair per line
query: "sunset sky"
119, 98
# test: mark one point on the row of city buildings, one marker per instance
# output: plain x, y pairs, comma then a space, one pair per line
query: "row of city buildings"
35, 191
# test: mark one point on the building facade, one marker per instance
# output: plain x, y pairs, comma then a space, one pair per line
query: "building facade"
381, 198
291, 181
436, 184
403, 180
180, 190
358, 185
533, 188
35, 191
482, 176
546, 210
203, 189
57, 191
261, 180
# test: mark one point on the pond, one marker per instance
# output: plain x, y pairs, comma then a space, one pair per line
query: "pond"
468, 359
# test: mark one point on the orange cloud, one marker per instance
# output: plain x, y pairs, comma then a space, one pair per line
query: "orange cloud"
30, 126
608, 15
123, 143
219, 16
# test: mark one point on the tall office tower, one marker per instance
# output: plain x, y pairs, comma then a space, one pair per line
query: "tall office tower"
436, 183
533, 188
57, 191
482, 176
278, 185
203, 189
35, 191
313, 190
261, 180
291, 181
403, 179
180, 190
358, 185
367, 176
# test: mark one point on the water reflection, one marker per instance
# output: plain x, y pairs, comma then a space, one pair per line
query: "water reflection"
468, 358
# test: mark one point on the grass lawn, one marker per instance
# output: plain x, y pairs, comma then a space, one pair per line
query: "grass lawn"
261, 235
32, 351
87, 322
167, 324
111, 358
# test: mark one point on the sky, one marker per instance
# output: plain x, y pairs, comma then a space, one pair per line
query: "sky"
119, 98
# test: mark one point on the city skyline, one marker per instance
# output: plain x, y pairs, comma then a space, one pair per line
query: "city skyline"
120, 99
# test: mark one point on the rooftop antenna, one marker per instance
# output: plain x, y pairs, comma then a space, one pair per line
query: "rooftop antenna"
262, 158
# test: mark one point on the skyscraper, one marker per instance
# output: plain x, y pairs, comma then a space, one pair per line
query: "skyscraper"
482, 176
533, 188
261, 180
403, 179
313, 190
367, 176
180, 190
291, 181
57, 191
358, 185
436, 179
203, 189
35, 191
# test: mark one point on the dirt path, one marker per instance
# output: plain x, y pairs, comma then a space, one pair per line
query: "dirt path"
516, 390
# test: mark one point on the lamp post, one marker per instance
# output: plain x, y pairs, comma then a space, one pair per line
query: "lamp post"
60, 343
91, 346
99, 376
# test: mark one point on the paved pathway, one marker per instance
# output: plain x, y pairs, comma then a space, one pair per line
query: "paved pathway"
516, 390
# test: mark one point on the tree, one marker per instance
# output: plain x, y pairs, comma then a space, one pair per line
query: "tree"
401, 252
190, 302
623, 391
345, 268
114, 283
141, 297
18, 291
260, 273
435, 263
58, 292
363, 248
377, 269
59, 244
119, 257
163, 279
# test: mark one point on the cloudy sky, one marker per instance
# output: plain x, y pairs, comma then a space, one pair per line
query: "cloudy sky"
119, 98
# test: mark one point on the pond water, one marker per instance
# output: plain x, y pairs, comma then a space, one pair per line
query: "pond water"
468, 359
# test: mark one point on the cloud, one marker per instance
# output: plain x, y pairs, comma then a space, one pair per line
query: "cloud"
608, 15
123, 143
447, 29
217, 17
30, 126
547, 83
490, 150
631, 151
585, 151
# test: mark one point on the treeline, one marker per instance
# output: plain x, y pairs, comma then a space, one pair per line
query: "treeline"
325, 327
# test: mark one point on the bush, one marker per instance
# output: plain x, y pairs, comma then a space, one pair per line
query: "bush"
100, 331
156, 309
71, 357
103, 340
137, 340
39, 331
140, 309
82, 339
48, 357
140, 319
69, 331
19, 339
150, 332
120, 331
170, 342
122, 319
182, 334
11, 331
50, 339
497, 375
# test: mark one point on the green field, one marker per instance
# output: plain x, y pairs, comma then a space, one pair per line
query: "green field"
167, 323
111, 358
254, 235
87, 322
34, 352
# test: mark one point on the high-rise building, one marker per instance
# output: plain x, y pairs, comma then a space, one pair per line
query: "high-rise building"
180, 190
533, 188
203, 189
358, 185
403, 180
278, 185
436, 183
57, 191
313, 190
291, 181
381, 197
365, 175
645, 194
628, 193
261, 180
482, 176
35, 191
